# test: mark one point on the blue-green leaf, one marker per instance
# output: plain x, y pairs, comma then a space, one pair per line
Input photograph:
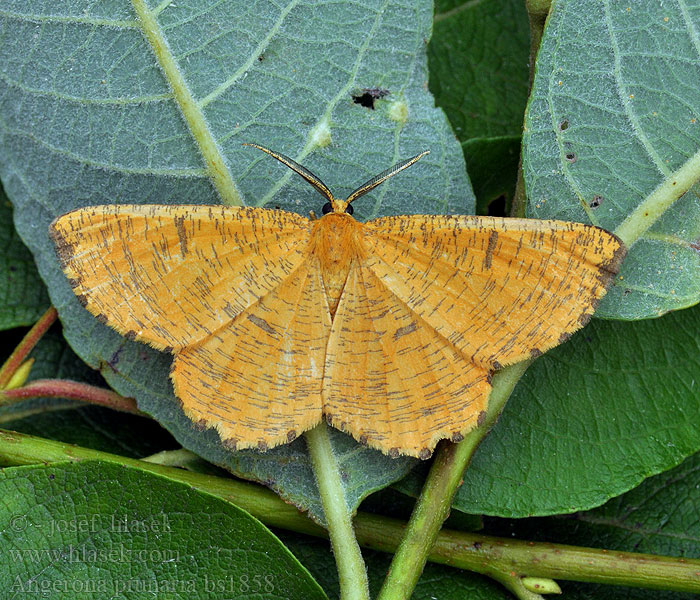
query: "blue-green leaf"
612, 129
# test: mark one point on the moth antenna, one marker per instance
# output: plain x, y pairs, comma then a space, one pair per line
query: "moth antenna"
382, 177
321, 187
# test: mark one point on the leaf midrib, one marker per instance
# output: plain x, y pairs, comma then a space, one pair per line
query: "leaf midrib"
215, 162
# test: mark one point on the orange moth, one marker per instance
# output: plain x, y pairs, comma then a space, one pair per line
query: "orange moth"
389, 329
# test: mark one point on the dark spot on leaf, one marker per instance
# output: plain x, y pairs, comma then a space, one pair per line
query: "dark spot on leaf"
571, 157
114, 360
596, 202
563, 124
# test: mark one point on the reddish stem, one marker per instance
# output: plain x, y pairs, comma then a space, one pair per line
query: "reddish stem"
73, 390
25, 346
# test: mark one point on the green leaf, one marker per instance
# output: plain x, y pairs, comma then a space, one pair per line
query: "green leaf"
89, 116
590, 420
87, 530
74, 422
478, 61
658, 517
612, 117
23, 297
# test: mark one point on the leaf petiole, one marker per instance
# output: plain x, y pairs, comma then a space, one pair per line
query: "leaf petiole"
28, 342
433, 505
348, 557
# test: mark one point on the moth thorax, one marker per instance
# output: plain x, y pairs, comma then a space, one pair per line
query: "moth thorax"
335, 245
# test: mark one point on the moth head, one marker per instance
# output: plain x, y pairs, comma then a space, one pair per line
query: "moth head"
338, 205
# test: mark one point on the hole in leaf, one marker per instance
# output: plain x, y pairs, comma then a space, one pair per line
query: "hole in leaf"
367, 96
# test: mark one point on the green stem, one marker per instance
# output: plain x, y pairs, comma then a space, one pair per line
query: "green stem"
519, 204
492, 556
20, 449
435, 500
25, 346
537, 11
348, 557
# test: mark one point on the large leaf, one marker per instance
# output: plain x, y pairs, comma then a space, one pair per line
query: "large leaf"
590, 420
23, 297
613, 118
88, 115
478, 66
478, 61
658, 517
88, 530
